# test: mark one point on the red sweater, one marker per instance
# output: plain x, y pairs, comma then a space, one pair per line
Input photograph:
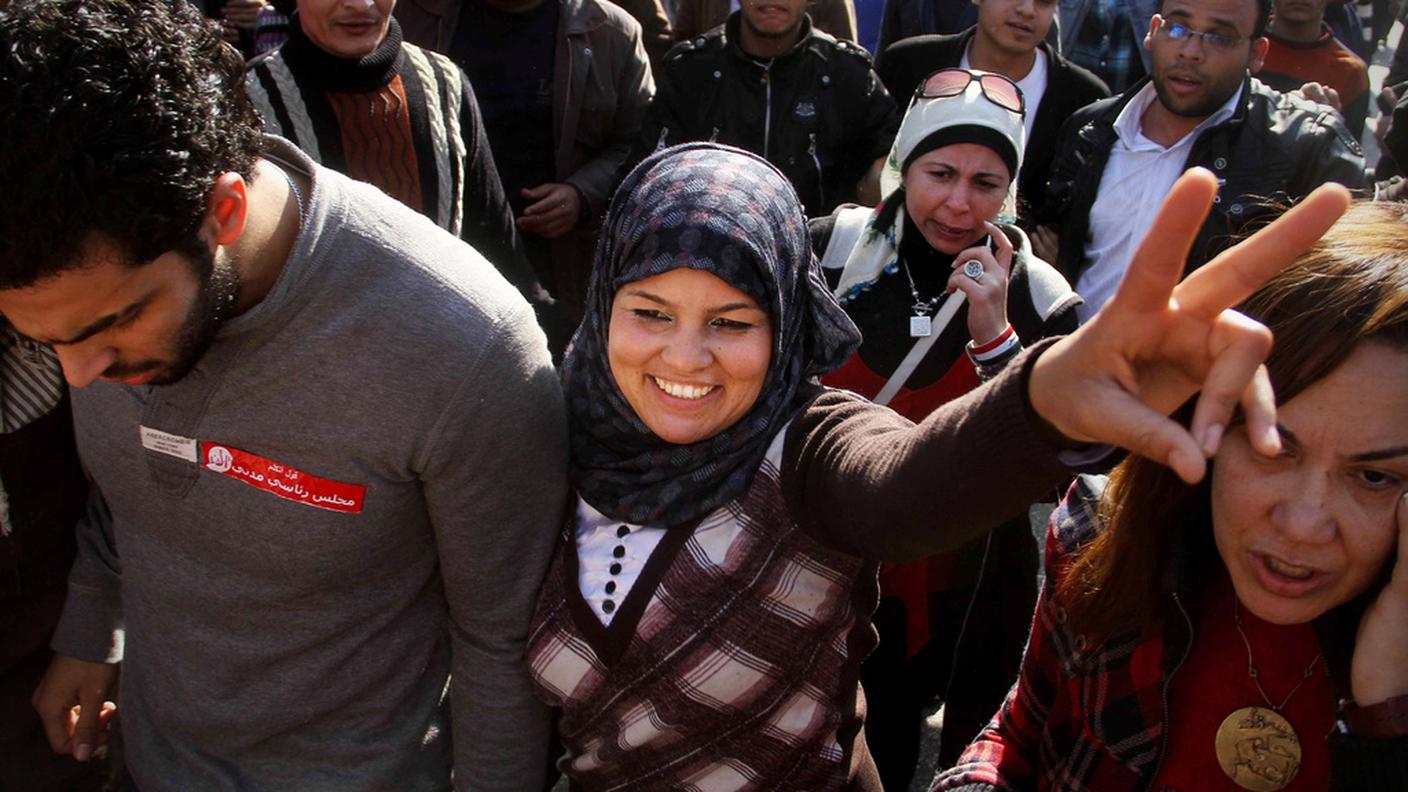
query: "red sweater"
1214, 681
1289, 65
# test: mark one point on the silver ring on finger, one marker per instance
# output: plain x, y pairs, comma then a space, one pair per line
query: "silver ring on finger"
973, 268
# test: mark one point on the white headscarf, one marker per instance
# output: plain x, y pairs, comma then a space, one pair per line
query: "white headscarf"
876, 251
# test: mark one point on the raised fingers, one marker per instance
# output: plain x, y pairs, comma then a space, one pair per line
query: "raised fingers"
1238, 346
1144, 431
1241, 269
1259, 407
1379, 670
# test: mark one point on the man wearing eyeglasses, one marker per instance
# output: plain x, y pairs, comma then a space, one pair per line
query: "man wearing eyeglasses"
1117, 158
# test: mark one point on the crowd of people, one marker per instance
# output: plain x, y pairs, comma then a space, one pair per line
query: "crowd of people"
651, 394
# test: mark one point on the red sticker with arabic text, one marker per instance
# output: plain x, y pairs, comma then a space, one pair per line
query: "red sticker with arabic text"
286, 482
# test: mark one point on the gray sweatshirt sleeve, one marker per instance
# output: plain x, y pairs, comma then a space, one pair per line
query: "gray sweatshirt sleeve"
495, 486
91, 626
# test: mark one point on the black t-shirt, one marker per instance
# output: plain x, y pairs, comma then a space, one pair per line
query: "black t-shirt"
509, 59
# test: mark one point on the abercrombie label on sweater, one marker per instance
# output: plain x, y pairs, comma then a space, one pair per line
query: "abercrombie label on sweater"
285, 481
169, 444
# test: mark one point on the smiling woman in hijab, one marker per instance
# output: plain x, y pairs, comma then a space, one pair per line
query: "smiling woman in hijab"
708, 607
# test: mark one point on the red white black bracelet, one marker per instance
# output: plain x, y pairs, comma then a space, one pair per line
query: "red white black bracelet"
989, 359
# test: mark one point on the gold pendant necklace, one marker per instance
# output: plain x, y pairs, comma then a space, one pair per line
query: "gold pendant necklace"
1256, 746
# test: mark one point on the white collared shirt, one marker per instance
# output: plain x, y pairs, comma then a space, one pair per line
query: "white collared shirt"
1137, 176
610, 556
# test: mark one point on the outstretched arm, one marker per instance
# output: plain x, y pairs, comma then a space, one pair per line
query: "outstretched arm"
866, 481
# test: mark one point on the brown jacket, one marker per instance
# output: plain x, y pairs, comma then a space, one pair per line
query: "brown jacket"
695, 17
602, 86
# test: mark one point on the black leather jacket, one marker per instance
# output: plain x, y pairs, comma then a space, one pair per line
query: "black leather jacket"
817, 112
1274, 149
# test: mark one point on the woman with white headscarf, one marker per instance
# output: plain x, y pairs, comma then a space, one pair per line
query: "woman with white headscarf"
945, 291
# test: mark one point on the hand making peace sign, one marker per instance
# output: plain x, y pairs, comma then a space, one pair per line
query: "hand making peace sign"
1159, 341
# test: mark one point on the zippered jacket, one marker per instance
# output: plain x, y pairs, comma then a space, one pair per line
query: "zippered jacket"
601, 86
818, 112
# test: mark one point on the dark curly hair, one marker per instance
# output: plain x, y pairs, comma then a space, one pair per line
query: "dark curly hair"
116, 117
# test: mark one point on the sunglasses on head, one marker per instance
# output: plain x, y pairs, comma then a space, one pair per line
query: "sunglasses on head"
953, 82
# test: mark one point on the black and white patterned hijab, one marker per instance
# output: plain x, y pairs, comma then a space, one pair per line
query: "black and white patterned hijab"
725, 211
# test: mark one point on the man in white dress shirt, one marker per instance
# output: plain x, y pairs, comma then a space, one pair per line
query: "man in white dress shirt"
1117, 158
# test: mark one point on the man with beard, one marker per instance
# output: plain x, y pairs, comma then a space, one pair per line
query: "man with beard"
769, 82
1117, 158
325, 435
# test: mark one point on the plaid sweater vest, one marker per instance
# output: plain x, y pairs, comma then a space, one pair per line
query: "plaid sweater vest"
730, 665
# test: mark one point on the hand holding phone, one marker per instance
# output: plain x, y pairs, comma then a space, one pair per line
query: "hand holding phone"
981, 272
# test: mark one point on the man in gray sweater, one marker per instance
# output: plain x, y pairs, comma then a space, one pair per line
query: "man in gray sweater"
327, 436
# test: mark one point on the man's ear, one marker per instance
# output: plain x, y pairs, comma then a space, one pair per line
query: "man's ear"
1259, 47
226, 209
1154, 22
